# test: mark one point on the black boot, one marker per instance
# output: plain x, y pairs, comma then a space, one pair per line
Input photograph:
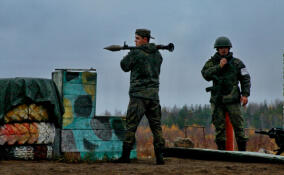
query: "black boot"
242, 146
221, 145
125, 157
159, 157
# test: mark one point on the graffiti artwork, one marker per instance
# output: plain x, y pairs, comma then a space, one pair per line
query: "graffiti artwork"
83, 131
32, 152
101, 135
30, 110
26, 112
27, 133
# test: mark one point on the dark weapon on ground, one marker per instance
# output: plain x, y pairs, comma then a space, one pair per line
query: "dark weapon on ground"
170, 47
278, 135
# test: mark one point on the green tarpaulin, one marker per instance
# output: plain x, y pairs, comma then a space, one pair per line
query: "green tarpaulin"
17, 91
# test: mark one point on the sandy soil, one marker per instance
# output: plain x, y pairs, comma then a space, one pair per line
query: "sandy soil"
173, 166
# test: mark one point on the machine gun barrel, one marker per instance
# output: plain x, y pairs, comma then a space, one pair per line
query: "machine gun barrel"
262, 132
278, 135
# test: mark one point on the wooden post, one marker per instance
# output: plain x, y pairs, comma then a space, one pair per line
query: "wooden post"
205, 143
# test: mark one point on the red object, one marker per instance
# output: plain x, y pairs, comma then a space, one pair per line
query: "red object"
229, 134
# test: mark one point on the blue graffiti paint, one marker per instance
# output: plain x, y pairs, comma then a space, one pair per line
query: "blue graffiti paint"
99, 136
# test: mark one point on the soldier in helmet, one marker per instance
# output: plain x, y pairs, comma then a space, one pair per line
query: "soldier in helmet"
226, 72
144, 64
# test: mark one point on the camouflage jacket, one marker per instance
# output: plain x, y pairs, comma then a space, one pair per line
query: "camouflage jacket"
226, 79
144, 64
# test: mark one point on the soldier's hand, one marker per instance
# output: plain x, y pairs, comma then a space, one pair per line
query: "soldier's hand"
223, 62
244, 100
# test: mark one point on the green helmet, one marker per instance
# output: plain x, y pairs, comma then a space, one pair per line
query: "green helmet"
222, 41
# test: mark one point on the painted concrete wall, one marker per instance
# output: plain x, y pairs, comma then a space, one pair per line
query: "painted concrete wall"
95, 137
102, 136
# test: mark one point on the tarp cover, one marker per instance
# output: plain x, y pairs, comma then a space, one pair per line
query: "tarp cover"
17, 91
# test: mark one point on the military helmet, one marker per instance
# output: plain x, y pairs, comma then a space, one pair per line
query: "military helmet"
222, 41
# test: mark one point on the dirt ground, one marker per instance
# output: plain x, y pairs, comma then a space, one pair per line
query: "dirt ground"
173, 166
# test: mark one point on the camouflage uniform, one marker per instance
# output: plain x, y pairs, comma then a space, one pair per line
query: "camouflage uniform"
144, 64
227, 98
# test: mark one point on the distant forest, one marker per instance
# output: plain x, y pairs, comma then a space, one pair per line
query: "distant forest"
256, 115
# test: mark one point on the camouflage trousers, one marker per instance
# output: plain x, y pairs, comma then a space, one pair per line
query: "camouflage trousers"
218, 119
136, 109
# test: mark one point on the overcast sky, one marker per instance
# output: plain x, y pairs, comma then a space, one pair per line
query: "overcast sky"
37, 36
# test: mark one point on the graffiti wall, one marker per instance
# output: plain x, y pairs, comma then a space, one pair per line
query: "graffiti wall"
101, 135
26, 112
31, 152
27, 133
98, 137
